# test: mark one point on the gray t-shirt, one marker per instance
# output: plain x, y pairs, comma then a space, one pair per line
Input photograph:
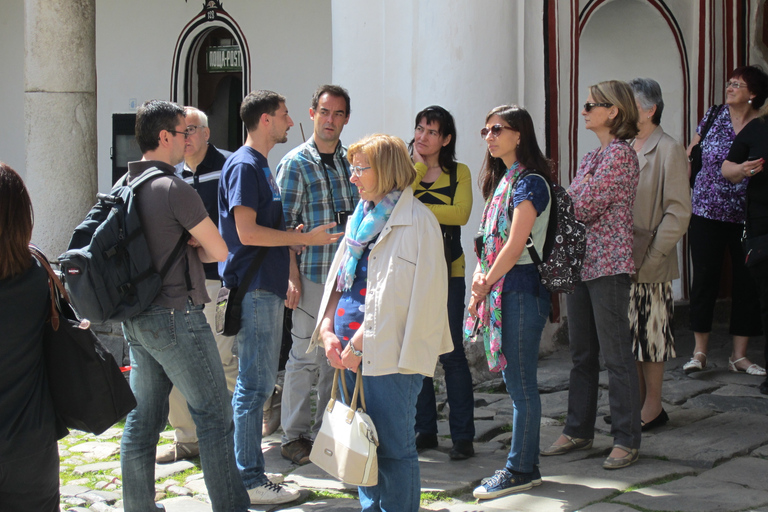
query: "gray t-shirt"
167, 207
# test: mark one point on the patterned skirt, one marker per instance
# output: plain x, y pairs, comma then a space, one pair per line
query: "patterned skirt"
651, 307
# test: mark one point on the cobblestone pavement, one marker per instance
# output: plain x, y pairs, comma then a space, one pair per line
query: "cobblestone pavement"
711, 456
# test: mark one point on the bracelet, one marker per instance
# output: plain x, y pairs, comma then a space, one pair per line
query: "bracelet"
355, 352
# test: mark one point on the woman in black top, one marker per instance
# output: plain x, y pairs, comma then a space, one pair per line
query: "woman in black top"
29, 456
746, 159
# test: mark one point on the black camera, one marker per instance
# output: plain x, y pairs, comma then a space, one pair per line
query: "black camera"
341, 217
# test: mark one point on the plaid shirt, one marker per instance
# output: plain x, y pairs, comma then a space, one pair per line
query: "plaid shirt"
304, 183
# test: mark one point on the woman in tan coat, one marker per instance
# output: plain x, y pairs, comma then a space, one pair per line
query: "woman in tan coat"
661, 214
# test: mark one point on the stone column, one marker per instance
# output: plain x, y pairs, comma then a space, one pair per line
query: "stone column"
60, 116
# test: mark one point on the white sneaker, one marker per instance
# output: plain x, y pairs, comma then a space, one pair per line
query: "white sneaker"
275, 478
272, 494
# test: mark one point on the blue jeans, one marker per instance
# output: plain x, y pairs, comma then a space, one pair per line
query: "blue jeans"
176, 348
523, 316
258, 344
458, 380
598, 322
391, 404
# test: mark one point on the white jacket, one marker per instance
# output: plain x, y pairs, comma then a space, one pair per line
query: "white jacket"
406, 315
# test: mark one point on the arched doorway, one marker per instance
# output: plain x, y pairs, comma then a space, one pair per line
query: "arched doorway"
211, 71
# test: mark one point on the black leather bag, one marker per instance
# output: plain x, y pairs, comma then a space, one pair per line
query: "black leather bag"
695, 157
89, 392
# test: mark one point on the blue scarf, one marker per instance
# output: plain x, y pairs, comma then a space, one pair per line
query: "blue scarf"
364, 226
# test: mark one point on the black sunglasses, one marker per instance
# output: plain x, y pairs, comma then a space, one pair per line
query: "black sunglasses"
494, 130
589, 106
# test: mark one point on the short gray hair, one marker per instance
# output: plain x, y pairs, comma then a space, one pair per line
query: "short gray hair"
200, 114
648, 93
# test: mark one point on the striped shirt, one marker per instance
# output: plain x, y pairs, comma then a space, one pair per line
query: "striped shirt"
312, 192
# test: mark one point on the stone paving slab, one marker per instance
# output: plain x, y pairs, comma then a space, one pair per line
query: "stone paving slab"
749, 471
173, 468
335, 504
590, 473
709, 441
484, 399
679, 391
608, 507
742, 404
740, 390
691, 494
95, 467
96, 450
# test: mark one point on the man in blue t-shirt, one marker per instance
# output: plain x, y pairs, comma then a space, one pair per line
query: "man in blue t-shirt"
251, 220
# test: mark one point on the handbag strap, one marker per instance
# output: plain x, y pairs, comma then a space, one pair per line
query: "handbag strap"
358, 391
710, 121
53, 281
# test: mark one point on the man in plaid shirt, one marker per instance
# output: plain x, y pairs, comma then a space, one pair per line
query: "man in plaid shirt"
315, 187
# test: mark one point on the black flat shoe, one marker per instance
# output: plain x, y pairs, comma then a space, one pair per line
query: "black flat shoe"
658, 421
425, 441
462, 449
764, 387
607, 419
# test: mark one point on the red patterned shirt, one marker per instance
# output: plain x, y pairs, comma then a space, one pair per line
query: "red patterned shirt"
603, 194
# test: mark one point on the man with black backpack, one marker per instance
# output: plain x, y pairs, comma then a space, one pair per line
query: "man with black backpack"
170, 342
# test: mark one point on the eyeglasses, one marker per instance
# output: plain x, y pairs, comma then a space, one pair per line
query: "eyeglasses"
176, 132
357, 171
735, 85
192, 129
494, 130
589, 106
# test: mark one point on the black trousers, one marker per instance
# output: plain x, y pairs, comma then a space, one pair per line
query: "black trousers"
709, 239
31, 484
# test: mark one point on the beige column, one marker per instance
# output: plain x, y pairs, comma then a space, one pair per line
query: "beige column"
60, 116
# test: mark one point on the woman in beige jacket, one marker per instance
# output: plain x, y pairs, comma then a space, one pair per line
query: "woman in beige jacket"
661, 214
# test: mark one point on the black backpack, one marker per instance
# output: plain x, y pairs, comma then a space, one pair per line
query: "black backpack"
107, 267
564, 246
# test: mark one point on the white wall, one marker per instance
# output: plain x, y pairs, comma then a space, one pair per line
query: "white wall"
290, 48
396, 57
12, 131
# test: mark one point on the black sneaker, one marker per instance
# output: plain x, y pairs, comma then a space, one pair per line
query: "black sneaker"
425, 441
462, 450
502, 483
536, 476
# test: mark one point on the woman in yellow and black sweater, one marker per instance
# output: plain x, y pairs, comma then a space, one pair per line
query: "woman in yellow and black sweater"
445, 187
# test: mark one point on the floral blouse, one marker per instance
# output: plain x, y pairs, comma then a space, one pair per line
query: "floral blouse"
603, 194
714, 197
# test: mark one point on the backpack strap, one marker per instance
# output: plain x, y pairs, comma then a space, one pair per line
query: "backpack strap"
242, 288
711, 120
529, 243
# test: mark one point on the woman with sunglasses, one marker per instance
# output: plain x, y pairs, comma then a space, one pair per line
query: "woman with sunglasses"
603, 193
509, 303
445, 187
375, 318
29, 429
717, 224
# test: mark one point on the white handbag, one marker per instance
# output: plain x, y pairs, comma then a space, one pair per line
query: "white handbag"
345, 447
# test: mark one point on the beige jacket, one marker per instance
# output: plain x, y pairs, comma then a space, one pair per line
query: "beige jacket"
663, 204
406, 318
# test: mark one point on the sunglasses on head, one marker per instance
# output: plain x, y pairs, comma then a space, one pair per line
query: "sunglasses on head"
589, 106
494, 130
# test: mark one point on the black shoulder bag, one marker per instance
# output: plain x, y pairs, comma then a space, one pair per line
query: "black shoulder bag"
230, 300
695, 157
448, 230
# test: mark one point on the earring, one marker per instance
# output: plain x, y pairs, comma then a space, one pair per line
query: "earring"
749, 101
649, 117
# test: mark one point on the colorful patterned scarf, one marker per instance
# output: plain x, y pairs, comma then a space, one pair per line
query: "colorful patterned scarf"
495, 232
364, 226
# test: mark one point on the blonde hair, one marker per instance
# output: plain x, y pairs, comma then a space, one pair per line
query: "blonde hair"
620, 95
388, 157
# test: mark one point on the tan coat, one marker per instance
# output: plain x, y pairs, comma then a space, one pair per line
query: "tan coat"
406, 320
663, 204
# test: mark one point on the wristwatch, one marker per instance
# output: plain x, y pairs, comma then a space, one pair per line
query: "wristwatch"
358, 353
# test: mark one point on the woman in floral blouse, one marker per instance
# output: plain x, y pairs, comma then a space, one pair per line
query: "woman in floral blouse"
603, 193
717, 224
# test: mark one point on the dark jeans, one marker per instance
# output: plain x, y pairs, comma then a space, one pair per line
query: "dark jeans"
598, 322
458, 380
709, 240
31, 484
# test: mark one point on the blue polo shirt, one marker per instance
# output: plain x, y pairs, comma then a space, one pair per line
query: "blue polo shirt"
246, 180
